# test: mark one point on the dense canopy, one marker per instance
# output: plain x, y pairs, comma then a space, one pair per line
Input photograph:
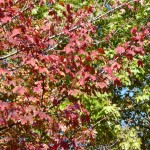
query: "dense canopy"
74, 75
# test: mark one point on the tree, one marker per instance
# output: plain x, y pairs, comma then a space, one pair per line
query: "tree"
64, 68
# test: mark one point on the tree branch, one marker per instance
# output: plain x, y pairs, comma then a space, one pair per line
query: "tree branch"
72, 29
9, 55
96, 18
112, 10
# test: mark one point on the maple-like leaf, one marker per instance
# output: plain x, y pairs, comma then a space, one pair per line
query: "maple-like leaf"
68, 49
23, 120
101, 85
42, 115
3, 105
32, 62
101, 50
6, 19
30, 119
120, 50
93, 77
31, 39
13, 115
116, 66
130, 52
16, 32
43, 70
3, 71
108, 70
117, 82
74, 92
30, 108
38, 89
82, 81
140, 63
134, 30
19, 89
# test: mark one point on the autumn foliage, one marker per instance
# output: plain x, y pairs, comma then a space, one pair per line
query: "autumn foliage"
61, 65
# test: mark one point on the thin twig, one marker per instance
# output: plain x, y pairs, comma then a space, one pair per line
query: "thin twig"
9, 55
72, 29
92, 20
120, 6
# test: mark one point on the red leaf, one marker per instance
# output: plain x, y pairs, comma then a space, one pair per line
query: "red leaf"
117, 82
32, 61
130, 52
88, 58
13, 115
5, 19
19, 89
68, 50
101, 50
140, 63
31, 39
92, 77
60, 72
134, 30
3, 105
15, 32
38, 89
101, 85
23, 120
2, 1
120, 50
129, 71
43, 70
42, 115
2, 71
82, 81
68, 8
116, 66
30, 108
94, 54
30, 119
74, 92
108, 70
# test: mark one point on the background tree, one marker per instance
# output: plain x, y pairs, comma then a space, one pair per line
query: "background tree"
74, 74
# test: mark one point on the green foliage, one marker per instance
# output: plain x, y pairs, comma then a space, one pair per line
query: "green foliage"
40, 12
